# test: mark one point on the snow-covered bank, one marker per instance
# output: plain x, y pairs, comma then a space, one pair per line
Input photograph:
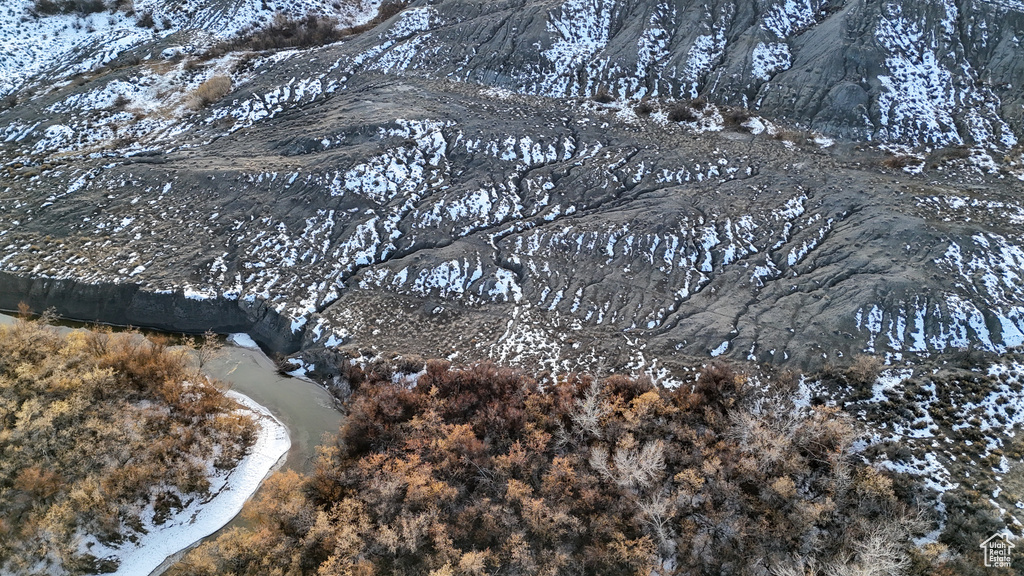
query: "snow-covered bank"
229, 491
243, 340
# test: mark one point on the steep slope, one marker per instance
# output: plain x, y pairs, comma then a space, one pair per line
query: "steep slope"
930, 72
37, 49
925, 72
433, 186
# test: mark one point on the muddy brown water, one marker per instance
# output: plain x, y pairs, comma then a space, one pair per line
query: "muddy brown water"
306, 409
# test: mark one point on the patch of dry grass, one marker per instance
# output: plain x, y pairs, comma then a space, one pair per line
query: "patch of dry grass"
211, 91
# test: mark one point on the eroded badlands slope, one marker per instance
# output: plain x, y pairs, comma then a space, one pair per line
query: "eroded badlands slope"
435, 186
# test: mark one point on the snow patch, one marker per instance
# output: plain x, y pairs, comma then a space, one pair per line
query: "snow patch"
243, 340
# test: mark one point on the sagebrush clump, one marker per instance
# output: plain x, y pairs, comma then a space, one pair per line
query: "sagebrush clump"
285, 32
310, 30
211, 91
81, 7
681, 112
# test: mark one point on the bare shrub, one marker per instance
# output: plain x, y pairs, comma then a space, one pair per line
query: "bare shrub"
952, 153
681, 113
702, 480
946, 155
798, 137
637, 466
45, 7
206, 348
589, 410
146, 21
389, 8
865, 369
880, 552
310, 30
900, 161
82, 7
408, 364
735, 117
603, 96
114, 424
1015, 155
718, 387
644, 108
121, 102
285, 32
896, 162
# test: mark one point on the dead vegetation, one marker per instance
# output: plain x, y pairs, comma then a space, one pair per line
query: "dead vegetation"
735, 118
798, 137
644, 108
864, 370
94, 427
211, 91
602, 96
81, 7
284, 32
305, 32
681, 112
900, 161
480, 471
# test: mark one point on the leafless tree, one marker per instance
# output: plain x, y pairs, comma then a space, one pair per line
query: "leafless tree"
589, 410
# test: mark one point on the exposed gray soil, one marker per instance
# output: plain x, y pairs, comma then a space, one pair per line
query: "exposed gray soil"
345, 197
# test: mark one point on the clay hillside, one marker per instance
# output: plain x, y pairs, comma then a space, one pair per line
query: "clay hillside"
542, 183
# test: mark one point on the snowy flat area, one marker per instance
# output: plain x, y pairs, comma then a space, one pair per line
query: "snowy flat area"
201, 518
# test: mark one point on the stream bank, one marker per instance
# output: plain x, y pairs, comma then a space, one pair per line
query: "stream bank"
288, 408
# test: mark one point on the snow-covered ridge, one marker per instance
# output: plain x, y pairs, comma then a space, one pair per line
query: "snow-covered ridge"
342, 179
924, 95
688, 255
982, 306
921, 95
526, 230
929, 89
30, 45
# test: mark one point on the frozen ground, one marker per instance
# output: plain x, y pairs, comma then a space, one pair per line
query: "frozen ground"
950, 427
405, 176
65, 44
